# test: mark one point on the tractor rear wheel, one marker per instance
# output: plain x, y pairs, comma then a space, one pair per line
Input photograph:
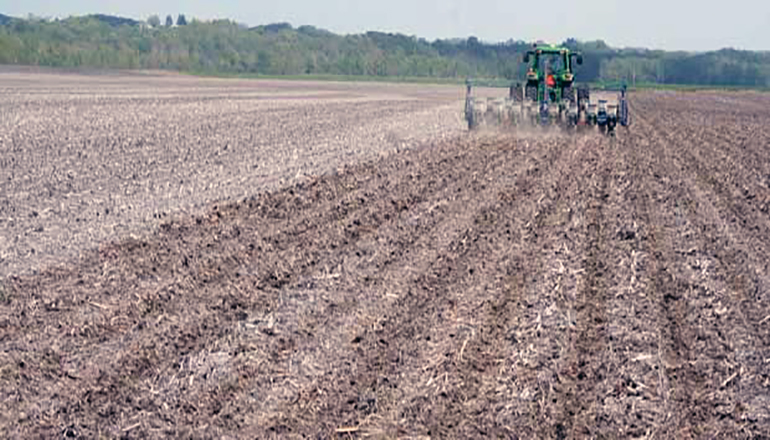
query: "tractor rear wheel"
531, 93
568, 94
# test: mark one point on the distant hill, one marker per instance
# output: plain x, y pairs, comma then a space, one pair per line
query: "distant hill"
5, 19
114, 20
227, 47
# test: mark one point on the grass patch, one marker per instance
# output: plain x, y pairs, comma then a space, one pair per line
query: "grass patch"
616, 85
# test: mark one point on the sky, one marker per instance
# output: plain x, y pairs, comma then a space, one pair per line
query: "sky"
692, 25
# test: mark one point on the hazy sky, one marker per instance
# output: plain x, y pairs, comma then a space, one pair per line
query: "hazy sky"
665, 24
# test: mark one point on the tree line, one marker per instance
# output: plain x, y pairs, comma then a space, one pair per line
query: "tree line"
224, 46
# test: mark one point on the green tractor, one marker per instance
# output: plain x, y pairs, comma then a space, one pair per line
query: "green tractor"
549, 97
550, 77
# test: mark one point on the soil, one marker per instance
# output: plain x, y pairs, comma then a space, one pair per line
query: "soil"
87, 159
486, 285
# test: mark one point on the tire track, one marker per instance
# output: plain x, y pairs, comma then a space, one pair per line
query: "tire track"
585, 366
635, 389
531, 320
683, 389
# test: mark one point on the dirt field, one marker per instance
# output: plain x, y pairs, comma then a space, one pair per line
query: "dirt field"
469, 286
86, 159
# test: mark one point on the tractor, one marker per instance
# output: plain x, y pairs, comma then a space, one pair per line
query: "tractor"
549, 97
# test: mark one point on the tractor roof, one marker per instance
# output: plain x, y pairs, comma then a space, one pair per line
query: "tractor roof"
548, 48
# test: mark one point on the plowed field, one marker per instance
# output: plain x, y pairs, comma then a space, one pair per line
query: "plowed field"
486, 285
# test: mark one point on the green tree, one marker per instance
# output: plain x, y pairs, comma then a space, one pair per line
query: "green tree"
228, 47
